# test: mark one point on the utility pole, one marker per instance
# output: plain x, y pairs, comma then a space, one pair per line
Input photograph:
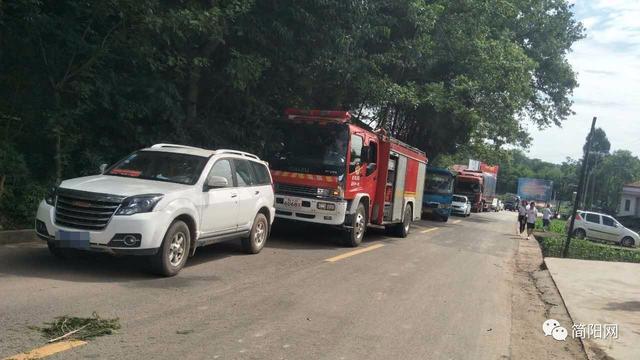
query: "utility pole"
565, 250
593, 179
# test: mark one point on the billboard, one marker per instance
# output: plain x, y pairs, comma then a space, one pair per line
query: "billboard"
535, 189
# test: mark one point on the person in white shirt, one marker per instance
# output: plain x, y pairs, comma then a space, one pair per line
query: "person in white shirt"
546, 217
532, 216
522, 216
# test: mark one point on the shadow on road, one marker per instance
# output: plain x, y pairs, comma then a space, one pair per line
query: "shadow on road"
36, 261
624, 306
480, 219
89, 267
296, 236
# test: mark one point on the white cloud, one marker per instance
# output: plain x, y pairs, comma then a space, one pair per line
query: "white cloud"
608, 66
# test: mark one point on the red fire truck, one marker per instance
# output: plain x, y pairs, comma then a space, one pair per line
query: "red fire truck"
331, 171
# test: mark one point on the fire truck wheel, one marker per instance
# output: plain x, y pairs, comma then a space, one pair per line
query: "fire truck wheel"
402, 229
359, 226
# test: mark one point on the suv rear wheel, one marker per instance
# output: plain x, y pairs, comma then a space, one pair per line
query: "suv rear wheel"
258, 236
580, 234
174, 251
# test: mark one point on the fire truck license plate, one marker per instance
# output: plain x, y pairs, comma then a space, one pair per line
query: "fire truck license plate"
292, 202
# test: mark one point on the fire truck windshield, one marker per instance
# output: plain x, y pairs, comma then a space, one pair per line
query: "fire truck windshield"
312, 148
466, 187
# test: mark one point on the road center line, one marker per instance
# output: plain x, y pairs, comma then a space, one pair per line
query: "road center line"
429, 230
354, 252
47, 350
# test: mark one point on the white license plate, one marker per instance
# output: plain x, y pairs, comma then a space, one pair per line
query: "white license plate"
292, 202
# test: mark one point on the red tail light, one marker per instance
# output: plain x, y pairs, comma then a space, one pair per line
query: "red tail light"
578, 217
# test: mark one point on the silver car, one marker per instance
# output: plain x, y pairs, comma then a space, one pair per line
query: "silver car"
461, 205
596, 226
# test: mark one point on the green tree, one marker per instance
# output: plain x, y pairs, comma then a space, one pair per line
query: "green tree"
86, 82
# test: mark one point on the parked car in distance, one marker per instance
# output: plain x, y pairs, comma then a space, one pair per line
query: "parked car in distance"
512, 202
597, 226
495, 205
461, 205
163, 202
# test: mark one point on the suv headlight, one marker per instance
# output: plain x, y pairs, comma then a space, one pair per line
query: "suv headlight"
50, 198
139, 204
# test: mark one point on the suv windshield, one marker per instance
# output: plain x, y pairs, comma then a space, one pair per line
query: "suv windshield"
312, 148
160, 166
439, 184
459, 199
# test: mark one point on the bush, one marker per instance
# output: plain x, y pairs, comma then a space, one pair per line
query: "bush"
557, 226
552, 245
18, 206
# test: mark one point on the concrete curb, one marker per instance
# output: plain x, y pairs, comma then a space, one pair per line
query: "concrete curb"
18, 236
544, 261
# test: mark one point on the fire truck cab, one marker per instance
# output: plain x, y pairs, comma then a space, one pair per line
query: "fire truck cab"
471, 184
330, 171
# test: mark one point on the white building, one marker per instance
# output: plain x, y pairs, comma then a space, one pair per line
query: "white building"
630, 200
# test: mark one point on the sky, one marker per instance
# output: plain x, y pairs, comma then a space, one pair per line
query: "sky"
608, 65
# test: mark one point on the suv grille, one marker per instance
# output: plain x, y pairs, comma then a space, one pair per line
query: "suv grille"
85, 210
290, 189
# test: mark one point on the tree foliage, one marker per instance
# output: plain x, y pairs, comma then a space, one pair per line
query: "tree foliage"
88, 81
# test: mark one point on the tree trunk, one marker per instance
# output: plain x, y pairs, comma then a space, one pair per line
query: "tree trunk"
193, 90
57, 133
58, 156
2, 180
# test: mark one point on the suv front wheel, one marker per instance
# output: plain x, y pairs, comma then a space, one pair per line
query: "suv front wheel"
174, 251
258, 236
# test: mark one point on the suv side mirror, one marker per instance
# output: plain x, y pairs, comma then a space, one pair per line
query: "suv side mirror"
103, 168
371, 168
215, 182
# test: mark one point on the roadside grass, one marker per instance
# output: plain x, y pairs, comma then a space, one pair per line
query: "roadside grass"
552, 244
71, 327
556, 226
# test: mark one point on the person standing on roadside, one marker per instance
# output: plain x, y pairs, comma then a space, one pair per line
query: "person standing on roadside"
546, 218
532, 216
522, 216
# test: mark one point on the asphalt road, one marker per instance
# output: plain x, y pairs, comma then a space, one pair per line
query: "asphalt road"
438, 294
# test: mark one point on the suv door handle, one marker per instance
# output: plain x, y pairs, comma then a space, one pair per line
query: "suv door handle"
257, 192
234, 195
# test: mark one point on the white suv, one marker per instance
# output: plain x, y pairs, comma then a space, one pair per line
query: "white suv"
603, 227
164, 202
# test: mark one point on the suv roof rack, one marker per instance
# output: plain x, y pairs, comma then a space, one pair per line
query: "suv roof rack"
176, 146
237, 152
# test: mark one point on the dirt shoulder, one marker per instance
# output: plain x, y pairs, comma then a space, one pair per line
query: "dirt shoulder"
536, 299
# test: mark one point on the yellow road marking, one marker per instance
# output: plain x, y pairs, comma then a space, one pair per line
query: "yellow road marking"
456, 222
47, 350
354, 252
429, 230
